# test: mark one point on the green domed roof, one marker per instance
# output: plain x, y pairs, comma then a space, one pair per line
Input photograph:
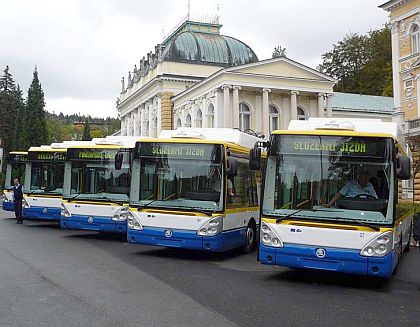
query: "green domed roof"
208, 48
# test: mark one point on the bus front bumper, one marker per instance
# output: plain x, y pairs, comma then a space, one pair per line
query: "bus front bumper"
335, 259
187, 239
93, 223
42, 213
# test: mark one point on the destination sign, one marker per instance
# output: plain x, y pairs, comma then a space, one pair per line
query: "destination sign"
333, 145
177, 150
17, 158
91, 154
46, 156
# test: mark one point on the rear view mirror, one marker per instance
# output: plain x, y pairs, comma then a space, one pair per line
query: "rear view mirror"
119, 157
232, 167
403, 168
255, 159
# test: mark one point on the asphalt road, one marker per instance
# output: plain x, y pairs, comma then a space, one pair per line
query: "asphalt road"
52, 277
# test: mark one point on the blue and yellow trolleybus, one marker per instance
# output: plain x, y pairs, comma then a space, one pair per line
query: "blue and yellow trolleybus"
15, 167
192, 188
330, 197
97, 185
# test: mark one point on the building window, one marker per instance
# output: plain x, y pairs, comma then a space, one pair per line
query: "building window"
188, 121
274, 118
199, 119
147, 128
415, 39
210, 116
178, 123
244, 117
301, 114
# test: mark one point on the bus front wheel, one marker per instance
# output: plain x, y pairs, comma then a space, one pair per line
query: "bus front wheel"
250, 237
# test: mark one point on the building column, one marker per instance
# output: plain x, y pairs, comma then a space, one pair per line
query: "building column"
218, 113
142, 120
159, 115
135, 122
329, 105
321, 105
151, 120
265, 114
123, 126
293, 105
235, 107
226, 107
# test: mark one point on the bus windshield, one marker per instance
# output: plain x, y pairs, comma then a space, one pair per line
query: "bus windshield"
15, 168
339, 178
94, 177
46, 177
177, 175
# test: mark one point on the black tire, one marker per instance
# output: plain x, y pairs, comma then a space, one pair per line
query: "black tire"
250, 237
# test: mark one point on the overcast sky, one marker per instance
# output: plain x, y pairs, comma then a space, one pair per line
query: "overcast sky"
82, 48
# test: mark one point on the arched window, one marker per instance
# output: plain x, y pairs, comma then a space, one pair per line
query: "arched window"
210, 116
244, 117
199, 119
188, 121
274, 118
301, 114
415, 39
178, 123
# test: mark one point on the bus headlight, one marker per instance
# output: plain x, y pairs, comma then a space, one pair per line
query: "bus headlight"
379, 247
269, 237
25, 204
212, 227
121, 215
132, 221
64, 211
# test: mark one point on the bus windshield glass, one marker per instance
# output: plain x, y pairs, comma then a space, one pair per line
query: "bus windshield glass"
94, 177
16, 164
339, 178
177, 175
46, 177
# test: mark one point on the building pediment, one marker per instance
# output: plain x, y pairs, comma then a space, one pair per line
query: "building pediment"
281, 67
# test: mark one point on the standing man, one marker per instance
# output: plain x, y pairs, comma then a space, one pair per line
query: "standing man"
17, 200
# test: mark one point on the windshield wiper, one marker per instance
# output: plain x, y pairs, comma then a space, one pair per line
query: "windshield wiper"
110, 200
278, 220
361, 223
74, 196
206, 212
148, 204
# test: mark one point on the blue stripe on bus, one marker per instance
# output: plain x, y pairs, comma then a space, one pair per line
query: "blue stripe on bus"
42, 213
336, 259
8, 206
188, 239
99, 223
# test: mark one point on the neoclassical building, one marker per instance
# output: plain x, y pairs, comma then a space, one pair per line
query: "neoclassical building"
200, 78
405, 28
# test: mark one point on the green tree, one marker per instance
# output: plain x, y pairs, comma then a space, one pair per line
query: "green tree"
20, 120
86, 131
279, 52
34, 132
361, 63
9, 109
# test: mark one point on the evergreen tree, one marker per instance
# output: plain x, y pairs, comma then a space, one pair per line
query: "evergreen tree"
34, 132
86, 131
20, 120
9, 108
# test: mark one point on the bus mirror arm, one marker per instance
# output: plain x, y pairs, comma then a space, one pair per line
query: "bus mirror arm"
255, 158
403, 168
119, 156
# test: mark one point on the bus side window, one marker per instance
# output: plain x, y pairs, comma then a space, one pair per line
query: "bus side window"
244, 187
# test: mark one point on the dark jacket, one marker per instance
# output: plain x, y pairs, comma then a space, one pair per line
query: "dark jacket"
17, 192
